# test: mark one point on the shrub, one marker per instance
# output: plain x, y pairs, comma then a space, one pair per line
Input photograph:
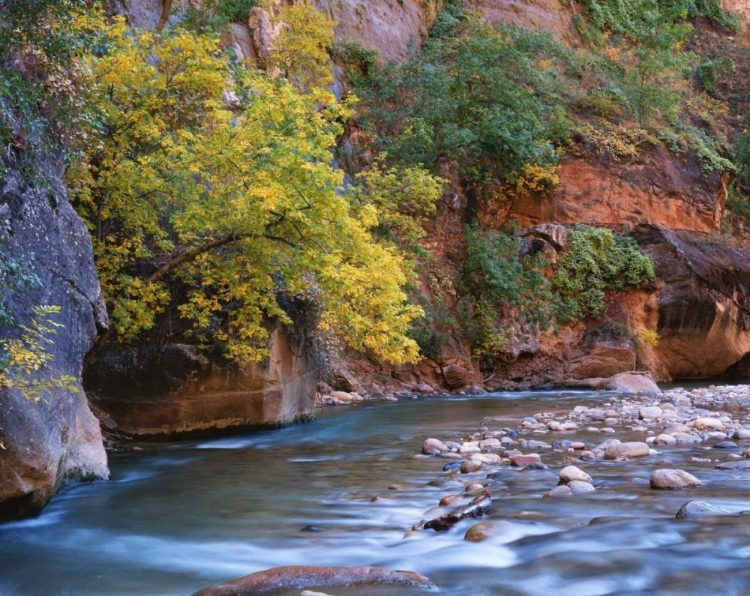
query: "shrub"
596, 261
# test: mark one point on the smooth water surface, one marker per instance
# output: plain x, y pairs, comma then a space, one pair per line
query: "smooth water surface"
178, 518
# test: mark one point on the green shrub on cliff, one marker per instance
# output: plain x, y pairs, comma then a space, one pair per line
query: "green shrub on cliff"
471, 99
597, 261
501, 288
43, 98
24, 355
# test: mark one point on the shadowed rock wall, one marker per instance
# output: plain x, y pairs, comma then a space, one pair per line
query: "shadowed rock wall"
56, 440
173, 390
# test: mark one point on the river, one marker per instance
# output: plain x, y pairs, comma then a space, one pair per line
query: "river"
176, 518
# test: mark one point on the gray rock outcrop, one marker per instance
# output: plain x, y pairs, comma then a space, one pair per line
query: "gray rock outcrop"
54, 440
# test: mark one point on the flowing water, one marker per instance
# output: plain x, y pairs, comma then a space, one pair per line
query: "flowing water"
178, 518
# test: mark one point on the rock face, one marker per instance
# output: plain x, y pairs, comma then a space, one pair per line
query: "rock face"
56, 440
173, 390
703, 302
655, 189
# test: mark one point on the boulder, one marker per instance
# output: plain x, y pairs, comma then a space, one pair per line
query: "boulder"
693, 509
603, 359
456, 376
55, 440
572, 473
433, 447
554, 234
633, 449
521, 461
667, 479
301, 577
633, 383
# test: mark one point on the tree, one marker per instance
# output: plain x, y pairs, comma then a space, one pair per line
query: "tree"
222, 178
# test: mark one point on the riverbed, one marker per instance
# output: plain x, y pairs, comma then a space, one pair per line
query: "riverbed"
344, 490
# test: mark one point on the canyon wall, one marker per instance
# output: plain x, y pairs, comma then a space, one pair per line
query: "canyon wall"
55, 440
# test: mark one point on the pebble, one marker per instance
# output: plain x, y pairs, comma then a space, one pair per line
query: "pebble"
668, 479
311, 593
572, 473
665, 439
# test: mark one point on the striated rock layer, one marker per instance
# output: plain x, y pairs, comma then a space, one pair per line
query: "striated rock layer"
56, 440
173, 390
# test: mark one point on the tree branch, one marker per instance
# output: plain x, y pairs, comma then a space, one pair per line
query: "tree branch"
188, 256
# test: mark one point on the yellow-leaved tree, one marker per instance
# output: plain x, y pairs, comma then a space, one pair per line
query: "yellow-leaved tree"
222, 178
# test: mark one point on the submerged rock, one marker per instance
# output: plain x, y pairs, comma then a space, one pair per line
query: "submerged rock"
693, 509
301, 577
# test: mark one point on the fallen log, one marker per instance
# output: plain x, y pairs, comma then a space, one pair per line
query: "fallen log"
479, 507
299, 577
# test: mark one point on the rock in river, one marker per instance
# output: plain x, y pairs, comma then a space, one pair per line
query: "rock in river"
301, 577
693, 509
673, 479
433, 447
571, 473
634, 449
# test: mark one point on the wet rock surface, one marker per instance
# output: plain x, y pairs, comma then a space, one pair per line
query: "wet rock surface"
56, 440
579, 449
300, 577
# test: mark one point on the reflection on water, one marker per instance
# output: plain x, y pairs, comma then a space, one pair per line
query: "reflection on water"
175, 519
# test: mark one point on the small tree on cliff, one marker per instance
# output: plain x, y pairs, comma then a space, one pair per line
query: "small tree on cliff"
222, 176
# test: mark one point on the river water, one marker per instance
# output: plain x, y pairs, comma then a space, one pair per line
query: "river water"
181, 517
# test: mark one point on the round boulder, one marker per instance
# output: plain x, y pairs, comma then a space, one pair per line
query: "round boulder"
633, 449
668, 479
433, 447
572, 473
